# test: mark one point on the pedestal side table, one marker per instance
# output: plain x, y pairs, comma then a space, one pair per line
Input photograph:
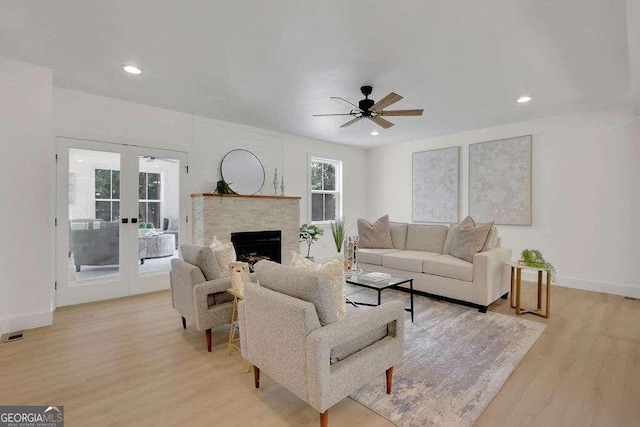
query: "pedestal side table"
516, 285
234, 341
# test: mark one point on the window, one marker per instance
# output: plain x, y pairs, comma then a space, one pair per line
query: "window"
149, 190
107, 194
326, 186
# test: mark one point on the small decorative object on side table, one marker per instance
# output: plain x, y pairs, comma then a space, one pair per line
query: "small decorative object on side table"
282, 186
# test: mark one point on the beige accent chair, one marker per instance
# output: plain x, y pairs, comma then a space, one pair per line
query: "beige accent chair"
289, 329
198, 290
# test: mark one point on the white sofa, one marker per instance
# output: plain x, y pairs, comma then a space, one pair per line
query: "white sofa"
422, 252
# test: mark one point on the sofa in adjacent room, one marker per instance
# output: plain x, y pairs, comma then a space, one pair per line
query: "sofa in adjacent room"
96, 242
423, 252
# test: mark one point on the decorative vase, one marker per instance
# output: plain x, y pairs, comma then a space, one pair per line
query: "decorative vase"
350, 253
275, 182
282, 186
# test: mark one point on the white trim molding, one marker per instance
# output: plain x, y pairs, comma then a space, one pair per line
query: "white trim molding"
29, 321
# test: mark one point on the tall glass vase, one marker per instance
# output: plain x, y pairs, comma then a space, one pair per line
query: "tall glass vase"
351, 253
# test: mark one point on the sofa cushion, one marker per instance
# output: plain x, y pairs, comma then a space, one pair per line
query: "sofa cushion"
428, 238
449, 266
202, 257
469, 241
453, 229
224, 254
376, 235
398, 232
310, 286
407, 260
373, 256
334, 268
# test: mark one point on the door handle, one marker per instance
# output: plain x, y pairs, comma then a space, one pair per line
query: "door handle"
125, 220
134, 220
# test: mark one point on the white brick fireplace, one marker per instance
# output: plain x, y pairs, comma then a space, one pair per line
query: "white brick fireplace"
220, 215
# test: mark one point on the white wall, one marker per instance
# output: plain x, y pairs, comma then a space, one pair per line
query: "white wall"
586, 199
26, 253
206, 141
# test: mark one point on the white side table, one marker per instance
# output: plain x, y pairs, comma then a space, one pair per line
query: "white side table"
516, 282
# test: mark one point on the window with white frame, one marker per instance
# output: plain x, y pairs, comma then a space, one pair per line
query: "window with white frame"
326, 190
107, 196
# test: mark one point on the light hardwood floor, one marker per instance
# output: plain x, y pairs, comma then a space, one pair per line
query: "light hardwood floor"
128, 362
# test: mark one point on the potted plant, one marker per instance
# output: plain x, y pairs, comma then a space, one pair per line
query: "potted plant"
339, 231
534, 258
310, 234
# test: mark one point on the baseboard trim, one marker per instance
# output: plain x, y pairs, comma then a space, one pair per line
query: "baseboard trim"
604, 287
29, 321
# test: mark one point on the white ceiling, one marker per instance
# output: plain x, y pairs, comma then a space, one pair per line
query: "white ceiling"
272, 64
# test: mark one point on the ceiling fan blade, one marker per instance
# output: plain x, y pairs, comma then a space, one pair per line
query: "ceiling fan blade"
401, 113
392, 98
350, 122
342, 100
381, 122
324, 115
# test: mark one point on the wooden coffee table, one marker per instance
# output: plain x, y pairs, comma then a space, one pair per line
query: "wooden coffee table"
391, 282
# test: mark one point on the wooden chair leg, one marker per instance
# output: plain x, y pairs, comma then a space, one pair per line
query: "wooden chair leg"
184, 323
256, 376
389, 379
324, 419
208, 332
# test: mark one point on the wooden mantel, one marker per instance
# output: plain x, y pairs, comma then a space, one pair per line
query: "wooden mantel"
255, 196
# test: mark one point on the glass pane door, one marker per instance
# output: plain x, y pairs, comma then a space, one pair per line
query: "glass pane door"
94, 215
89, 233
121, 213
158, 211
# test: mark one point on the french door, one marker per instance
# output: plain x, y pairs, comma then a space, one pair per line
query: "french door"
121, 214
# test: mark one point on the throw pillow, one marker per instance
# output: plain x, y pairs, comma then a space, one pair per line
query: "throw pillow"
467, 223
224, 253
376, 235
173, 224
469, 240
335, 270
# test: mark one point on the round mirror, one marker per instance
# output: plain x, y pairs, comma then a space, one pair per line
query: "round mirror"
243, 171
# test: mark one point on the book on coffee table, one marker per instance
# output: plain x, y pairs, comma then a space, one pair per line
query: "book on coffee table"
376, 276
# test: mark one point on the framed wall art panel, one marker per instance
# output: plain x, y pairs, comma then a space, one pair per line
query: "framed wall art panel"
500, 181
436, 185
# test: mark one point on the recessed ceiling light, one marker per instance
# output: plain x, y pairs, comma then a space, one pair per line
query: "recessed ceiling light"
523, 99
375, 132
80, 160
132, 70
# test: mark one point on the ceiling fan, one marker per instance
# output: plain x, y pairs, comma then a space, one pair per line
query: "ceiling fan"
368, 108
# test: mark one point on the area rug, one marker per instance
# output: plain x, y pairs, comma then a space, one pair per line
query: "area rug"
456, 360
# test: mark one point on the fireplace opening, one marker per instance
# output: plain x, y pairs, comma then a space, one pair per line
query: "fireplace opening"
254, 246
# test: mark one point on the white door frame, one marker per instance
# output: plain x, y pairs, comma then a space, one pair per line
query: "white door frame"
129, 281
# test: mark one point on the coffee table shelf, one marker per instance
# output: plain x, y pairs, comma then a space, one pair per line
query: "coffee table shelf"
380, 285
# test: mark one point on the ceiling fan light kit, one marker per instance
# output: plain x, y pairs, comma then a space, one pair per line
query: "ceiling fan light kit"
369, 109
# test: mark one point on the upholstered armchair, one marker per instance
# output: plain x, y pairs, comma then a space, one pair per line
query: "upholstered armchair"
289, 330
198, 290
